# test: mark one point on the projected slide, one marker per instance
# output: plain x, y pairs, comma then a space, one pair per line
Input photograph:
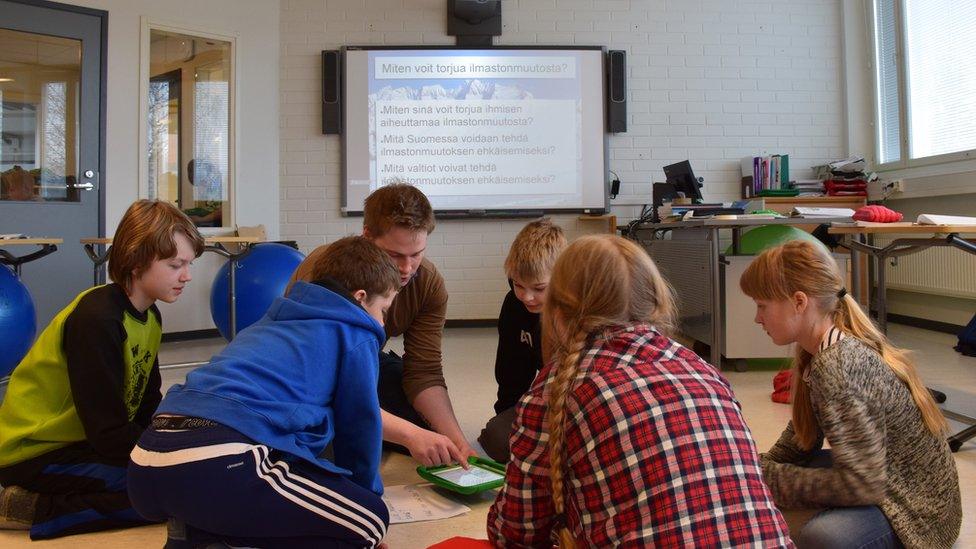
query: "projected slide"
481, 128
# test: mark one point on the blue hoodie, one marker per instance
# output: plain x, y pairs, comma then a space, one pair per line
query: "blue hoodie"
301, 377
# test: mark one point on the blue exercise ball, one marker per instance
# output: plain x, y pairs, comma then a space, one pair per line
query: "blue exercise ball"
755, 241
262, 275
18, 322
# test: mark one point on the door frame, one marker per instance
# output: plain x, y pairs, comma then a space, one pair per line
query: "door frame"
102, 15
149, 24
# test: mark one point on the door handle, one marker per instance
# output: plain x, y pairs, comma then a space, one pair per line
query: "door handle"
91, 184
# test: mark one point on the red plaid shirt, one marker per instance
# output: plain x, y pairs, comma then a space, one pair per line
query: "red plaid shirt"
657, 455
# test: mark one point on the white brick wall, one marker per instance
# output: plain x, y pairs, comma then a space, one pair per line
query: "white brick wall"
710, 81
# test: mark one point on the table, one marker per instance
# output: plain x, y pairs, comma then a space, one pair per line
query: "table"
48, 246
785, 204
712, 256
216, 244
937, 235
857, 240
609, 222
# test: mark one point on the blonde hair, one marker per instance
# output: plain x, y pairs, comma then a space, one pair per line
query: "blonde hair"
799, 266
597, 282
397, 205
534, 251
146, 233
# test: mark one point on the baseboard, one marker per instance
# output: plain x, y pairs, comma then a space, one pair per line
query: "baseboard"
925, 324
191, 335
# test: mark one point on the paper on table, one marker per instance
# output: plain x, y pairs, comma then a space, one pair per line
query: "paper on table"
932, 219
418, 502
810, 211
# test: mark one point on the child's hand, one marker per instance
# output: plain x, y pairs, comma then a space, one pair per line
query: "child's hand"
431, 449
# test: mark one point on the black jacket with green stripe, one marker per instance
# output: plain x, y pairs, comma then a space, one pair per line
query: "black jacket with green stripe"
92, 374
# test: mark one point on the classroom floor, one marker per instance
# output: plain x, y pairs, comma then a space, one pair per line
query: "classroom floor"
469, 357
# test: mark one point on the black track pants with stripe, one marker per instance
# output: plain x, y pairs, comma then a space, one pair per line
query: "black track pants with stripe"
217, 480
80, 491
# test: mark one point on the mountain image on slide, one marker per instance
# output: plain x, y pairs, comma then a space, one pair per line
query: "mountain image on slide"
466, 89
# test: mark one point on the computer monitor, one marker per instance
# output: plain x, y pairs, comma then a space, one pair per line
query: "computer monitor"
684, 180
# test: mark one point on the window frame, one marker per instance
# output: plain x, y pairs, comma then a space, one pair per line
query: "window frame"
904, 107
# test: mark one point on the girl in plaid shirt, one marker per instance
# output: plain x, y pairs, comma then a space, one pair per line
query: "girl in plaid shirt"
626, 438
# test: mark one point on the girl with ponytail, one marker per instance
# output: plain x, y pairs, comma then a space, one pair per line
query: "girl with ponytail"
626, 438
888, 478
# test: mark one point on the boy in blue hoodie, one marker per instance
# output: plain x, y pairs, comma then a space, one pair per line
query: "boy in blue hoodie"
233, 454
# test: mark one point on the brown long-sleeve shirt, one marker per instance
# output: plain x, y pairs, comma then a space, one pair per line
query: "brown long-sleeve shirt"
418, 313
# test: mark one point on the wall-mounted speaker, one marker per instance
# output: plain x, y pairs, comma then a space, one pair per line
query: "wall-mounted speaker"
616, 91
331, 92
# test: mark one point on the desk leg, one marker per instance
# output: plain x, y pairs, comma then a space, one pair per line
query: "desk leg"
736, 240
232, 297
856, 272
716, 300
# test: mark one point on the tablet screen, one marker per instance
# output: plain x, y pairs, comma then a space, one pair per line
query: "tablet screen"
472, 477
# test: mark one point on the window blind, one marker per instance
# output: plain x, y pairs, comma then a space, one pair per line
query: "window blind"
941, 61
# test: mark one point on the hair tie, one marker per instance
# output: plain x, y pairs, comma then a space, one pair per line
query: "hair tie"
841, 293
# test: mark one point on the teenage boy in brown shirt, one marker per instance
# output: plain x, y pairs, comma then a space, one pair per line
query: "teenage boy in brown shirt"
416, 408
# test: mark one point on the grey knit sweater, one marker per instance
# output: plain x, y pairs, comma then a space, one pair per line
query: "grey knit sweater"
881, 450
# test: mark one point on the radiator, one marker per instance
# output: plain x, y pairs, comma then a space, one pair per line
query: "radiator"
939, 270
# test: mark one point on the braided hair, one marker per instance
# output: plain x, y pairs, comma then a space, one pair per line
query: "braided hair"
598, 282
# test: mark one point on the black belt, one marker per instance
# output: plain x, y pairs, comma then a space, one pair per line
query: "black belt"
180, 423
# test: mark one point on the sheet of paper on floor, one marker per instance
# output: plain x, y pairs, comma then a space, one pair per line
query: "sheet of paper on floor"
419, 502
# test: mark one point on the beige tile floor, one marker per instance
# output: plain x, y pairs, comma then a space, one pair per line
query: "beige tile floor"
469, 357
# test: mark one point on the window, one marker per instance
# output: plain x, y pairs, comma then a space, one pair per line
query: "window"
925, 73
39, 129
189, 125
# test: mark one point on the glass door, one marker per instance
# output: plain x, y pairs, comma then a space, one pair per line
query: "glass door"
51, 141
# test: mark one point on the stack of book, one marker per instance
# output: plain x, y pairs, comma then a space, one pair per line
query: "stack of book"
765, 173
681, 211
809, 187
854, 185
844, 177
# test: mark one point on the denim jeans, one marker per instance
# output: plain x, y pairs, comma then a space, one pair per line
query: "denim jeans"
393, 399
846, 527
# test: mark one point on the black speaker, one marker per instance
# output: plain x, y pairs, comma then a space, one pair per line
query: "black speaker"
616, 91
331, 92
474, 22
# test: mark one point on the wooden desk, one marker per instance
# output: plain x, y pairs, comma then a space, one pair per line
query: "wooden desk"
48, 246
785, 204
215, 244
609, 220
208, 240
866, 227
855, 240
704, 280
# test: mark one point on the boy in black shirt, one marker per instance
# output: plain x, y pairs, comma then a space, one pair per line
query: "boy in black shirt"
519, 356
